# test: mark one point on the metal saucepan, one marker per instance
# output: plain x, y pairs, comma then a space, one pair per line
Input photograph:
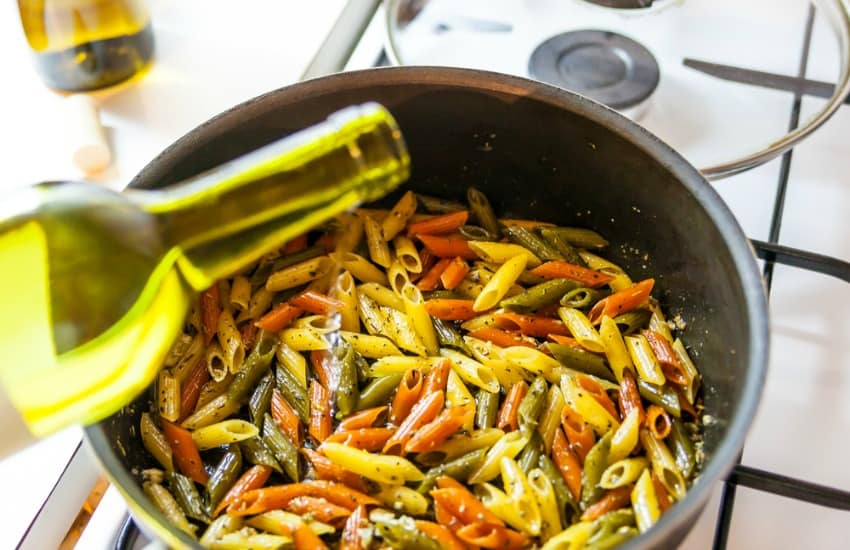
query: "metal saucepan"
538, 152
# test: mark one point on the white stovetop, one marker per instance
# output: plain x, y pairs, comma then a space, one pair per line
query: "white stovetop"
212, 55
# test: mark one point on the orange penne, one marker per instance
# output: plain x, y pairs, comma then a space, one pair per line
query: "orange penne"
442, 534
567, 463
364, 419
276, 497
249, 335
327, 241
531, 325
446, 518
447, 482
306, 539
684, 404
321, 422
406, 395
579, 435
558, 269
191, 389
658, 421
210, 310
320, 509
186, 454
461, 503
660, 493
565, 340
365, 439
316, 302
486, 535
431, 279
439, 225
297, 244
598, 393
428, 260
254, 478
448, 247
328, 471
423, 412
499, 337
351, 538
622, 301
670, 364
286, 418
449, 309
437, 377
279, 318
322, 362
507, 419
629, 397
613, 500
438, 430
454, 273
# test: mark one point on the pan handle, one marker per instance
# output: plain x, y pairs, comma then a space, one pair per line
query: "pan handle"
343, 37
802, 259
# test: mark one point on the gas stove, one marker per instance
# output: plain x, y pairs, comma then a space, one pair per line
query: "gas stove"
792, 488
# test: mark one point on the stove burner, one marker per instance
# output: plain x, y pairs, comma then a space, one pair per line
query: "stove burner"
605, 66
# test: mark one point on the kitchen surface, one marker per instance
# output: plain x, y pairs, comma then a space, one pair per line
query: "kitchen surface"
211, 55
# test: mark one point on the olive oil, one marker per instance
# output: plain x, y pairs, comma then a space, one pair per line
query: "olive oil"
87, 44
95, 284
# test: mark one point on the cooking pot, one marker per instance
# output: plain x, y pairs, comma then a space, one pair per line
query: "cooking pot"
537, 152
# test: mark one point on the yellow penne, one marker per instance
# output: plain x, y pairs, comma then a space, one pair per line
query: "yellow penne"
471, 371
216, 410
663, 464
322, 324
178, 349
371, 314
469, 287
509, 445
398, 277
398, 216
403, 499
645, 502
414, 305
258, 305
625, 438
460, 444
481, 321
573, 537
621, 279
293, 361
299, 274
658, 321
350, 232
690, 370
550, 418
216, 362
503, 507
155, 442
585, 405
223, 433
230, 340
623, 472
382, 295
387, 469
221, 526
407, 253
522, 497
493, 356
240, 293
497, 287
534, 361
458, 395
168, 395
501, 252
398, 364
544, 494
192, 354
367, 345
399, 328
379, 252
212, 389
279, 522
304, 339
581, 329
345, 291
615, 348
239, 540
644, 359
361, 268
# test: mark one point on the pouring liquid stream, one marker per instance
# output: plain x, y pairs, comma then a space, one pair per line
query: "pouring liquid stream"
96, 285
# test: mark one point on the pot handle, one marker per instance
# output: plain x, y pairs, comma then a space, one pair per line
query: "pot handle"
343, 37
802, 259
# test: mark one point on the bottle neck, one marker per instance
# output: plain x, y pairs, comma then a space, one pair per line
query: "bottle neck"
228, 217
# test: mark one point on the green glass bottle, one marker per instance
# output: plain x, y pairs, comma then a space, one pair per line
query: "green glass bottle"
95, 284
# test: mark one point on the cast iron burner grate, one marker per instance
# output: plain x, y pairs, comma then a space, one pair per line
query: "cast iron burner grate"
772, 253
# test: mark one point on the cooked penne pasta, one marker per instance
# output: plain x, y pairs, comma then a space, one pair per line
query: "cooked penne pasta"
223, 433
616, 352
361, 268
500, 283
644, 360
259, 303
589, 408
397, 218
581, 329
240, 293
663, 464
623, 472
414, 306
367, 345
168, 395
500, 253
645, 502
350, 232
216, 362
690, 370
389, 470
509, 445
398, 364
550, 418
304, 339
620, 281
471, 371
403, 499
379, 251
230, 340
299, 274
625, 437
382, 295
345, 292
533, 361
398, 277
461, 444
547, 503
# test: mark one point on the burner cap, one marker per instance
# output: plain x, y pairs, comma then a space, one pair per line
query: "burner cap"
602, 65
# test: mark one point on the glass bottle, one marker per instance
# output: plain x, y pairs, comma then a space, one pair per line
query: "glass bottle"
95, 284
87, 44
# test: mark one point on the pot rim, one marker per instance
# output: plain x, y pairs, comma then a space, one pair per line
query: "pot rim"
726, 455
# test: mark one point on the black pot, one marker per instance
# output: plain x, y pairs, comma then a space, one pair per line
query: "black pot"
543, 153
